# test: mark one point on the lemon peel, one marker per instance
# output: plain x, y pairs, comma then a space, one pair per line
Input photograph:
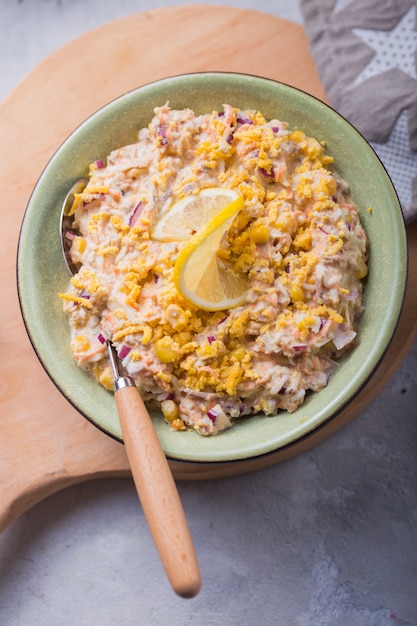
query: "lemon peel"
200, 276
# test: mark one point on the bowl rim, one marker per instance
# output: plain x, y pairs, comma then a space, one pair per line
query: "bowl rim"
115, 102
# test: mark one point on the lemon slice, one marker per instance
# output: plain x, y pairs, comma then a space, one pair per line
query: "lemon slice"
200, 276
191, 213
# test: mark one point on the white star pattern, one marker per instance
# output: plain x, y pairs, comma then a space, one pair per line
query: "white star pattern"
396, 48
399, 161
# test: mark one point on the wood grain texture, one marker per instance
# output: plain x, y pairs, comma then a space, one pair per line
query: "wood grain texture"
158, 494
45, 445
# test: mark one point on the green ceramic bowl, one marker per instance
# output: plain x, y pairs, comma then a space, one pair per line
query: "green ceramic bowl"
42, 274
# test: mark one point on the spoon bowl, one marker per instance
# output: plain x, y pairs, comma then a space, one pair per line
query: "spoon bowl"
66, 225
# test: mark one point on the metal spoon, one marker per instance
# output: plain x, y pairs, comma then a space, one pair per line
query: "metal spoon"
151, 473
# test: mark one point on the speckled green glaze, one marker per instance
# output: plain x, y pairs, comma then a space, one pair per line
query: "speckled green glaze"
42, 274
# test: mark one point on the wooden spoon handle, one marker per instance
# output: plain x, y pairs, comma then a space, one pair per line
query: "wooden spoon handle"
158, 494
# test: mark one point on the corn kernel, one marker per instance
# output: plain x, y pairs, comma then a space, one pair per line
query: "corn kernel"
166, 350
260, 233
170, 410
106, 379
242, 219
79, 244
296, 292
178, 424
362, 270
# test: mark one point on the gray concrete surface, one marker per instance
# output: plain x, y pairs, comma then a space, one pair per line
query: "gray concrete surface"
326, 539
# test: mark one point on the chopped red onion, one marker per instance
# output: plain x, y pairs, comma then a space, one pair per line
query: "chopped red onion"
234, 409
242, 119
89, 204
95, 196
229, 138
353, 295
124, 351
211, 338
300, 348
343, 336
323, 322
265, 173
332, 366
70, 234
99, 164
160, 130
101, 338
214, 412
135, 213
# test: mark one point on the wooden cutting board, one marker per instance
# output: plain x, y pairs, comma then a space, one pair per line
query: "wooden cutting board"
45, 445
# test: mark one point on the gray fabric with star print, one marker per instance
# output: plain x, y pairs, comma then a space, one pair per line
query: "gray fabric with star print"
366, 55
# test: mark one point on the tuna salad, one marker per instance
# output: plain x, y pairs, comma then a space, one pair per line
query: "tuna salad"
297, 247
